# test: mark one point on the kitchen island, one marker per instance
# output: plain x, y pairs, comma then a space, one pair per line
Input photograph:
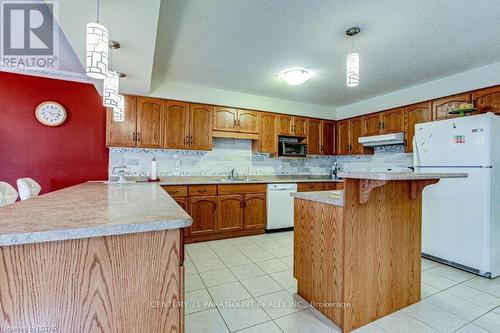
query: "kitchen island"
357, 251
94, 257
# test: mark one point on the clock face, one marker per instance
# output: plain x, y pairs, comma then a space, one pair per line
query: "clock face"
50, 113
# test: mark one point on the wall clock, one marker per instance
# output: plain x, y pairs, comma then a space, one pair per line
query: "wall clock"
50, 113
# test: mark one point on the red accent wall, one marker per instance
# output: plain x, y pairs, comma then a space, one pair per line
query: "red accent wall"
56, 157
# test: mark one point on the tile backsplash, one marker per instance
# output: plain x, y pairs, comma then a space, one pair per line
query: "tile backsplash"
233, 153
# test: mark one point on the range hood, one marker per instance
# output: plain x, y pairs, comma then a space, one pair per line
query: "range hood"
382, 140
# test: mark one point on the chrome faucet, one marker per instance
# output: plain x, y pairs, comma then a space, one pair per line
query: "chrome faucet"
231, 174
121, 173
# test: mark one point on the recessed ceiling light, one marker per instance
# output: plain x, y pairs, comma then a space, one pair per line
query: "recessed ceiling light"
295, 76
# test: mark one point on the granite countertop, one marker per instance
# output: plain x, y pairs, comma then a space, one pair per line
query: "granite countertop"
199, 180
335, 198
91, 209
399, 175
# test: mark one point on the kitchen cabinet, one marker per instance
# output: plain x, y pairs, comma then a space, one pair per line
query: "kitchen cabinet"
314, 137
268, 136
327, 137
248, 121
182, 201
225, 119
355, 132
200, 127
176, 125
393, 121
343, 139
441, 106
149, 122
292, 125
203, 211
122, 133
230, 212
308, 187
372, 124
487, 100
415, 114
254, 211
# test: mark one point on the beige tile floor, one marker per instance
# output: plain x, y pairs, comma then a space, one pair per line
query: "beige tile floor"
246, 285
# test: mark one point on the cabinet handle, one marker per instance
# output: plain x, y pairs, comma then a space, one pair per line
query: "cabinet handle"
215, 206
383, 125
241, 204
134, 137
138, 137
202, 191
191, 140
235, 122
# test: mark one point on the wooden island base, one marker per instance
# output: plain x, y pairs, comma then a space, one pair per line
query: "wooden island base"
119, 283
361, 261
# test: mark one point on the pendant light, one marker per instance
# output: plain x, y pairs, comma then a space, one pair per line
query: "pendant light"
111, 82
352, 64
119, 111
97, 49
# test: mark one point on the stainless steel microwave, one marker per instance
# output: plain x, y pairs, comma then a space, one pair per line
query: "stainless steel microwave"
297, 149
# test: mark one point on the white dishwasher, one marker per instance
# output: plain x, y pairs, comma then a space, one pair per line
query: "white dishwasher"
280, 206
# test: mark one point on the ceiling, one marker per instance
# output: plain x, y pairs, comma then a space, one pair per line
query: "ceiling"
242, 45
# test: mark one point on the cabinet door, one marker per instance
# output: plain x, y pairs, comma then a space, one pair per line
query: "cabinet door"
183, 202
254, 211
149, 122
122, 133
203, 211
327, 137
441, 106
343, 137
268, 138
285, 125
487, 100
355, 132
300, 126
415, 114
393, 121
248, 121
200, 126
313, 137
230, 212
225, 119
176, 131
372, 124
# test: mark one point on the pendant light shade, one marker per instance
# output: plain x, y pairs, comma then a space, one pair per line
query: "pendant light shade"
119, 111
110, 91
97, 51
353, 69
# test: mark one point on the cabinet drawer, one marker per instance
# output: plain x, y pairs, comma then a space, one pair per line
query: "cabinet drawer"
242, 188
305, 187
176, 190
195, 190
330, 186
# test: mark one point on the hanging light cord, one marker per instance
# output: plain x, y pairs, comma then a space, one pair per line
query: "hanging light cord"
98, 11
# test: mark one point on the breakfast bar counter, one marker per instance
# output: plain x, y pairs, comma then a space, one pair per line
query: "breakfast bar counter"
93, 257
357, 251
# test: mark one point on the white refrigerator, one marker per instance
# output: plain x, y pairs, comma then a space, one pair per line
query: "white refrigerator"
461, 217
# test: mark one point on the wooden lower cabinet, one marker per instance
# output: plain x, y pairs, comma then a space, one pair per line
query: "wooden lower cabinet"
230, 212
203, 211
254, 211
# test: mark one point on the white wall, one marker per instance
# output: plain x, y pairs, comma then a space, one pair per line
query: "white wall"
474, 79
192, 93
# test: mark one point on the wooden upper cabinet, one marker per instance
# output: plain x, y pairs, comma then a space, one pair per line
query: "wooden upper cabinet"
314, 137
327, 137
356, 131
268, 137
200, 126
372, 124
203, 211
415, 114
441, 106
285, 125
299, 127
122, 133
225, 119
393, 121
176, 130
254, 211
487, 100
248, 121
343, 142
230, 212
150, 122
